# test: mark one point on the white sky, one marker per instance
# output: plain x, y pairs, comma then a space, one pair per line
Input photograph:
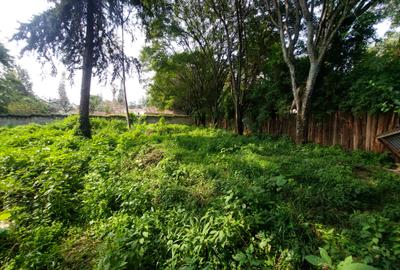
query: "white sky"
44, 85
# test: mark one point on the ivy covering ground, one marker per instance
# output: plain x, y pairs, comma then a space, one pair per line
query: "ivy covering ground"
179, 197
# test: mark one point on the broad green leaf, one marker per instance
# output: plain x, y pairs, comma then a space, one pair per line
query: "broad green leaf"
240, 257
280, 181
325, 256
314, 260
358, 266
346, 262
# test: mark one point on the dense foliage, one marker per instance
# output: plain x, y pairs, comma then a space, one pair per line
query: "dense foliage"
5, 58
60, 32
16, 98
185, 83
356, 73
364, 80
376, 80
179, 197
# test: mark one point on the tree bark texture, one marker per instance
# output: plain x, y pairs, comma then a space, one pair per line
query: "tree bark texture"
301, 128
239, 118
303, 107
84, 122
128, 122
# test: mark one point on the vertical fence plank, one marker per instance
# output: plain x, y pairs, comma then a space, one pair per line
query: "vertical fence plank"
368, 133
356, 133
374, 141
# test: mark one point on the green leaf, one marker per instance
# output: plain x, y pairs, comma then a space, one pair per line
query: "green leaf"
314, 260
325, 256
358, 266
346, 262
240, 257
280, 181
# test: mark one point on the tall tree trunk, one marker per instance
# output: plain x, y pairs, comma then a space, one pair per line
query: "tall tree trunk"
239, 118
301, 123
84, 123
302, 112
301, 128
128, 122
203, 119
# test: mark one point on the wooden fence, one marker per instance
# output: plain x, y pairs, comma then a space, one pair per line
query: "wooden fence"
350, 131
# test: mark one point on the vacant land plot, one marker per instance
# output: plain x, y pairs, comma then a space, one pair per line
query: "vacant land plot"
179, 197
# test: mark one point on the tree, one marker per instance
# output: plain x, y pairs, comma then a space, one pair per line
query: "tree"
25, 79
121, 97
375, 80
142, 103
198, 72
95, 103
63, 100
123, 20
84, 35
243, 41
14, 98
227, 34
392, 9
269, 96
185, 82
200, 35
319, 22
344, 54
16, 95
6, 60
114, 91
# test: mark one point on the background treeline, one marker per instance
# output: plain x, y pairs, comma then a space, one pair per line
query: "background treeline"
17, 96
189, 54
239, 60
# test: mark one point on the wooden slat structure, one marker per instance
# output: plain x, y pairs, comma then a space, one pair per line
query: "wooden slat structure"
351, 131
392, 141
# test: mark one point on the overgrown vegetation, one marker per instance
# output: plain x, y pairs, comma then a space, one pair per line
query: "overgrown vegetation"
179, 197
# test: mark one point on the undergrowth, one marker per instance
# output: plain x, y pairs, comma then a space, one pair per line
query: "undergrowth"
179, 197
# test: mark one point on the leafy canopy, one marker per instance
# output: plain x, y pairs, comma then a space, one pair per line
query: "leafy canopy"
60, 32
5, 58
